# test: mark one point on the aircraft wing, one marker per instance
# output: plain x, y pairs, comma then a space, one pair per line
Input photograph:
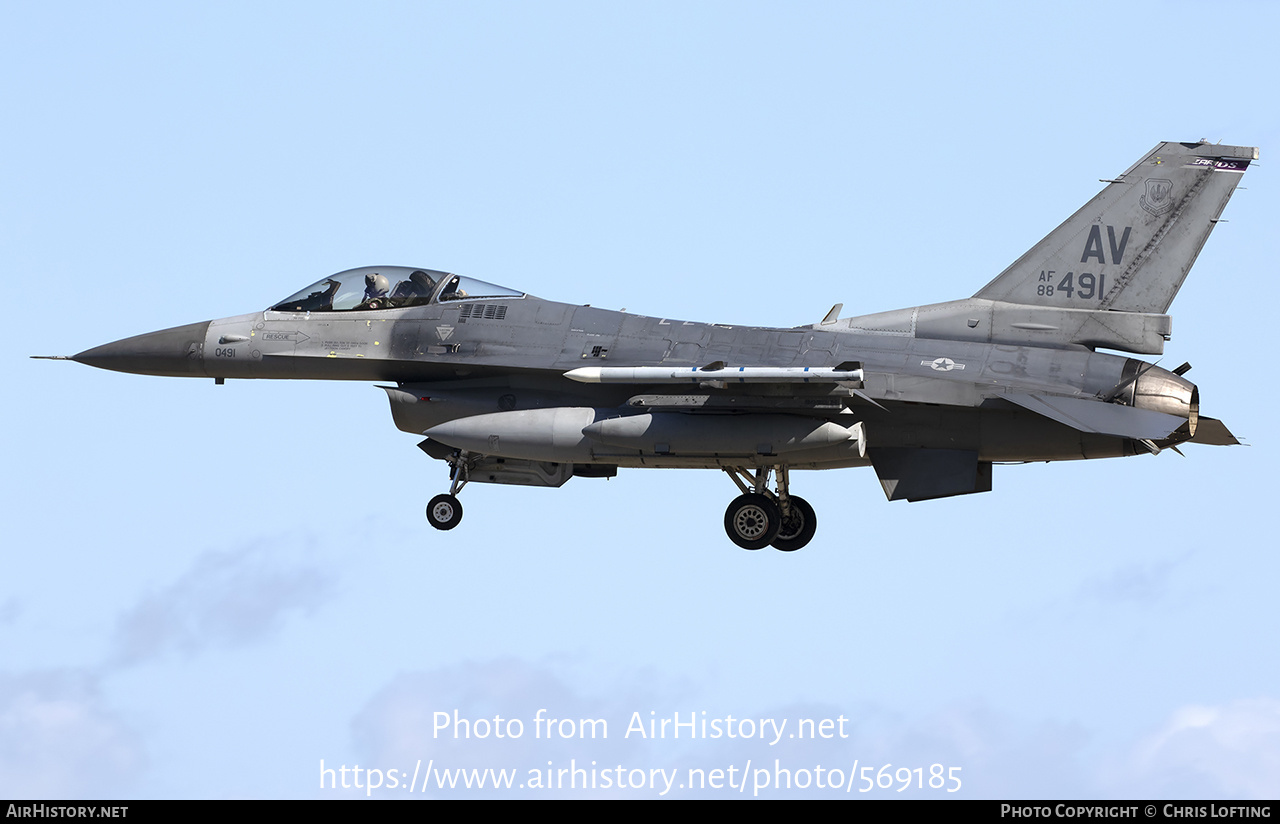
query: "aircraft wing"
1101, 418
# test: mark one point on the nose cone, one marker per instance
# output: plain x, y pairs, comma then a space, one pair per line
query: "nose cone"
178, 352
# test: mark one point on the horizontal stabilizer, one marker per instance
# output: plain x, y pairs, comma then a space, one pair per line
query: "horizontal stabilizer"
1101, 418
1213, 432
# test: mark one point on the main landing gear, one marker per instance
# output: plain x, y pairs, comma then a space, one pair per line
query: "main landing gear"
445, 511
759, 517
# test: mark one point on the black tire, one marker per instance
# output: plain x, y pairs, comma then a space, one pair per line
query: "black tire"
797, 528
752, 521
444, 511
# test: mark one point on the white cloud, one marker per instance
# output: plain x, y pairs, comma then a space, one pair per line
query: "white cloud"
1227, 751
996, 756
226, 598
397, 728
1142, 583
58, 741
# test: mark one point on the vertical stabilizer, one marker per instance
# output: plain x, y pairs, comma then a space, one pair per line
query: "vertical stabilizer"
1130, 248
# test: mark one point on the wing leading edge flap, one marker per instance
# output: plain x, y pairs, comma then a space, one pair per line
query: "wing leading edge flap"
1099, 417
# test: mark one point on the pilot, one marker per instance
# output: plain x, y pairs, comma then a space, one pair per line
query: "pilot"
451, 290
375, 292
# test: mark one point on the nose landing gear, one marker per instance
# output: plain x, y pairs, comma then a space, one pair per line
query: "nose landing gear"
759, 517
445, 511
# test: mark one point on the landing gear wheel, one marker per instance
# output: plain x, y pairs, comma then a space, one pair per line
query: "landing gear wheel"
797, 527
752, 521
444, 512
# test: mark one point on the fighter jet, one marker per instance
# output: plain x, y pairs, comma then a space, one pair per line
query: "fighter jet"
508, 388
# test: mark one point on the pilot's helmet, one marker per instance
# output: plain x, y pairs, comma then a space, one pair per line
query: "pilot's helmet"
375, 286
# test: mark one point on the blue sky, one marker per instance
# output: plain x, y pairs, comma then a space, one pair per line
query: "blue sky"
207, 591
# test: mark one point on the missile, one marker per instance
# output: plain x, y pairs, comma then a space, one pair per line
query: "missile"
851, 371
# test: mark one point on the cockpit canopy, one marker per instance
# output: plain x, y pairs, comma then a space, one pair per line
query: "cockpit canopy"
388, 287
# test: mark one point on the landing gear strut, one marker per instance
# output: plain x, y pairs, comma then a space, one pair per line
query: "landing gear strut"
797, 527
760, 516
445, 511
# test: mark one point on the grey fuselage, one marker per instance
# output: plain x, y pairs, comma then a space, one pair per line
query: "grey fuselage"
475, 357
